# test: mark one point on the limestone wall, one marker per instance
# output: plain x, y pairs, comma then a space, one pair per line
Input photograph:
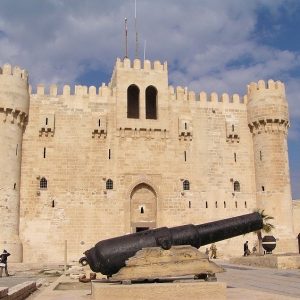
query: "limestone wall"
79, 140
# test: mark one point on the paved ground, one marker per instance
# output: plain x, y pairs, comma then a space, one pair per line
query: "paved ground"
250, 280
243, 282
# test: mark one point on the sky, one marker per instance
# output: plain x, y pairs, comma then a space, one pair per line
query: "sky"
210, 45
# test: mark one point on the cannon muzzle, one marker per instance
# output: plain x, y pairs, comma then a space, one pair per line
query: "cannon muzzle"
109, 256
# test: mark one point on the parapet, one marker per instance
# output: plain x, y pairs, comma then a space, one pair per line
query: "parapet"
262, 86
16, 71
136, 64
183, 94
79, 90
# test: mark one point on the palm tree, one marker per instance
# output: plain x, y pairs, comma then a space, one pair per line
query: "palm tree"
267, 228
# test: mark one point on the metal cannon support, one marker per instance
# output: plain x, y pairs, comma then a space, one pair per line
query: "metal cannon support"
109, 256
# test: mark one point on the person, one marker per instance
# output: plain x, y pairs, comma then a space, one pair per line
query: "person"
207, 251
246, 249
213, 249
254, 249
3, 260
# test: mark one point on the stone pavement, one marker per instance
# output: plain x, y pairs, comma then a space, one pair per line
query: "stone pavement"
244, 282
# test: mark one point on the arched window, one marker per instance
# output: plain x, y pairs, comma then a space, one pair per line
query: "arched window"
236, 186
109, 184
186, 185
151, 102
43, 183
133, 102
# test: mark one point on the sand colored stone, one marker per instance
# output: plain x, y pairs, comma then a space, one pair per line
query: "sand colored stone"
154, 262
77, 138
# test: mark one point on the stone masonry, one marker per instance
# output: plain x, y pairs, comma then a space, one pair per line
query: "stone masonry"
89, 164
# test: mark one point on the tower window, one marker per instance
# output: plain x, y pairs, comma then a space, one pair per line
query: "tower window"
262, 188
109, 154
236, 186
234, 156
17, 149
99, 122
44, 152
232, 127
53, 203
206, 204
185, 126
184, 155
142, 210
186, 185
43, 183
151, 102
15, 185
245, 204
235, 204
46, 121
133, 102
216, 203
109, 184
190, 204
224, 204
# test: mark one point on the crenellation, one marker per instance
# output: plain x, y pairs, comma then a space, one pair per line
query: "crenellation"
92, 91
236, 98
203, 97
7, 69
137, 64
147, 65
40, 90
66, 90
270, 86
225, 98
53, 90
214, 97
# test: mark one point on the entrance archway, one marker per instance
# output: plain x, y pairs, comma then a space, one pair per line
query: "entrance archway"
143, 207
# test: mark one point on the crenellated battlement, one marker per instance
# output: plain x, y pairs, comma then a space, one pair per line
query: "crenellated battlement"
16, 71
269, 86
136, 64
67, 90
183, 94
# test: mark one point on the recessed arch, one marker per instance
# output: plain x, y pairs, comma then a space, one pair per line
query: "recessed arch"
133, 102
151, 102
143, 206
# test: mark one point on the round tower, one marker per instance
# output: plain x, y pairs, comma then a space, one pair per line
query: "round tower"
268, 120
14, 105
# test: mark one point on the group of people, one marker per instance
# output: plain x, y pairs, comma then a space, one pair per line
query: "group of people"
3, 262
212, 251
247, 251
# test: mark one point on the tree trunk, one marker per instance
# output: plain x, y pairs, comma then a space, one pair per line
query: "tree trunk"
260, 248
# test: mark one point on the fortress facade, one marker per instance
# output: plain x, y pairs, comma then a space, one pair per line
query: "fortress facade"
91, 164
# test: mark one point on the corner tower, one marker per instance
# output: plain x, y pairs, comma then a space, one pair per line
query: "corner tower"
268, 120
14, 105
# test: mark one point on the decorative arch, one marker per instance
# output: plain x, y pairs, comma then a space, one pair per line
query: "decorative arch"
151, 102
143, 206
133, 102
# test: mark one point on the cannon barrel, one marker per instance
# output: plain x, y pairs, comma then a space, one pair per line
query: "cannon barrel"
109, 256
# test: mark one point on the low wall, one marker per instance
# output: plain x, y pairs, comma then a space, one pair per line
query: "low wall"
18, 292
279, 261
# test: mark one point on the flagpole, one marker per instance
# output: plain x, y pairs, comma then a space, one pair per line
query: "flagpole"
126, 39
136, 33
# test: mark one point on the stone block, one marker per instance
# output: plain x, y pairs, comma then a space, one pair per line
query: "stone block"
175, 291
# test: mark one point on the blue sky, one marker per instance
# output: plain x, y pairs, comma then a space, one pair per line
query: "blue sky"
210, 45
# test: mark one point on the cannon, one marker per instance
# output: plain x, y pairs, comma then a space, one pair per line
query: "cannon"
109, 256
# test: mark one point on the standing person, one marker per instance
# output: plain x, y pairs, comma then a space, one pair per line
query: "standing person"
213, 249
246, 249
3, 260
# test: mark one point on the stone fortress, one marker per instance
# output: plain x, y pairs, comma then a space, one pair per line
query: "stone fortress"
90, 164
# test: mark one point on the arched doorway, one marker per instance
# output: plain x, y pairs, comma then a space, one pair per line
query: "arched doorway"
143, 203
